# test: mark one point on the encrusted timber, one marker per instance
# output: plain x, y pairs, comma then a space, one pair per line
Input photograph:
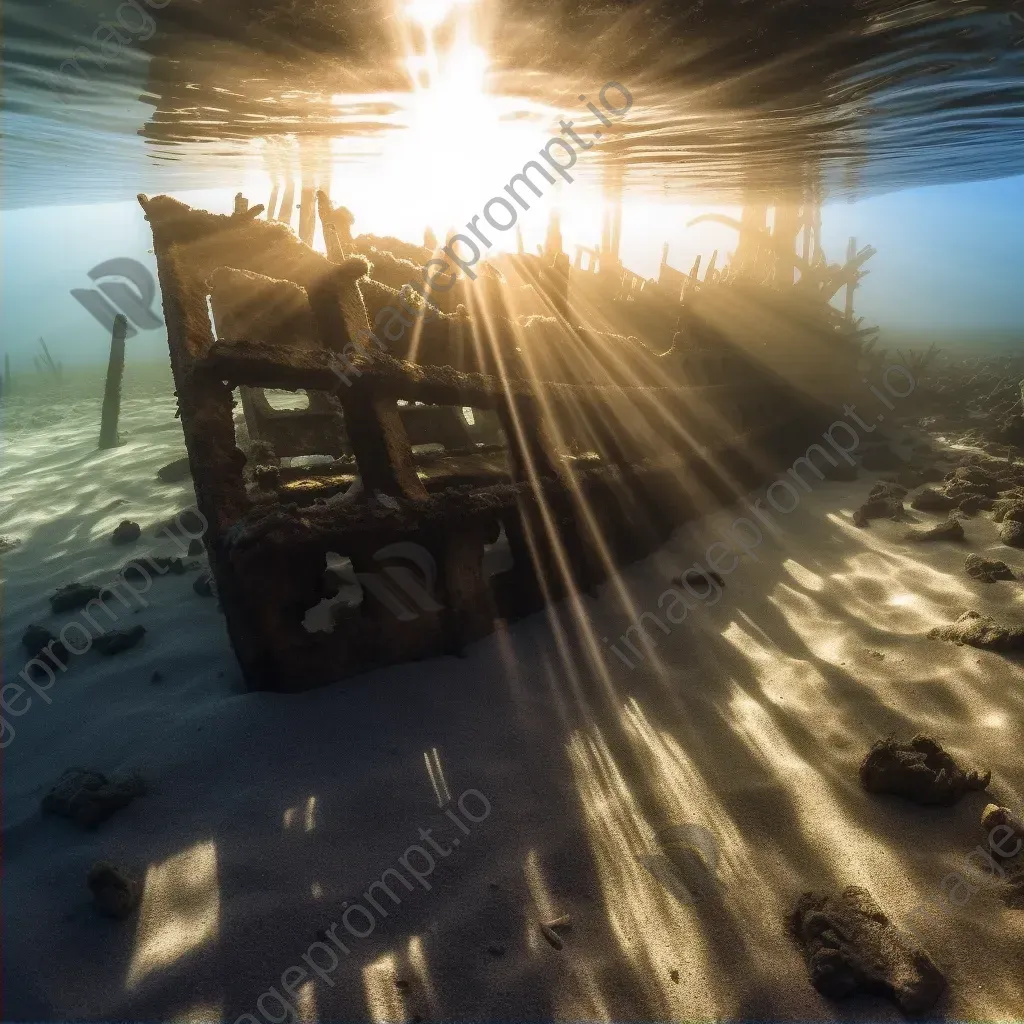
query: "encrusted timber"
269, 578
190, 245
278, 560
682, 416
205, 409
317, 429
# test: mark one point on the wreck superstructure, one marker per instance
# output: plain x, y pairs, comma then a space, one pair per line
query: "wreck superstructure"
583, 447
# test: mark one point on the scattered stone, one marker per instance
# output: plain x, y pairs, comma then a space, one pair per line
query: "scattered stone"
919, 770
89, 797
167, 562
1009, 485
203, 584
126, 532
1008, 841
115, 641
1011, 533
152, 565
850, 946
1008, 508
951, 529
156, 677
879, 508
195, 547
37, 639
8, 544
975, 503
496, 949
674, 975
1011, 431
73, 596
930, 500
987, 571
982, 631
887, 489
113, 892
174, 471
959, 489
973, 475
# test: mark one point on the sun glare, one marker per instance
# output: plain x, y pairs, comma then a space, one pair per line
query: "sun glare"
429, 14
457, 143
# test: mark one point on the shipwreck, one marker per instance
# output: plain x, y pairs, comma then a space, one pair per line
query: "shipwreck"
500, 418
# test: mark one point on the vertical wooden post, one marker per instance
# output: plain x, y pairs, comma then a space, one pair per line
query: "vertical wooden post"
553, 238
851, 284
531, 449
272, 204
284, 215
785, 232
112, 391
752, 225
380, 444
307, 212
709, 274
558, 276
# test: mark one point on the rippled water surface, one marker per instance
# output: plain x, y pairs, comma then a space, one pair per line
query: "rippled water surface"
859, 96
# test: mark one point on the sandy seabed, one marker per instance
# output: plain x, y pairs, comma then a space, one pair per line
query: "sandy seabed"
269, 816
